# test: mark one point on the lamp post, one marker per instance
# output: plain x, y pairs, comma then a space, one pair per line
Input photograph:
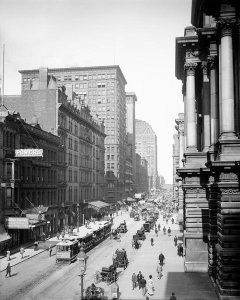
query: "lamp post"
82, 258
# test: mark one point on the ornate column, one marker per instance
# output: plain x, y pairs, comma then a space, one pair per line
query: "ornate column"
227, 82
191, 126
206, 108
214, 105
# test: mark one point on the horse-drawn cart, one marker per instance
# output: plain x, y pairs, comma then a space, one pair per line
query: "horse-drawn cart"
141, 234
94, 292
135, 242
108, 275
122, 228
120, 259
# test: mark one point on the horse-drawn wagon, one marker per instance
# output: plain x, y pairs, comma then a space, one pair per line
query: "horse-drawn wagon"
108, 275
122, 228
120, 259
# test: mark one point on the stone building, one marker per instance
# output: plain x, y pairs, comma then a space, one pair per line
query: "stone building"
81, 135
102, 89
31, 187
142, 178
146, 147
207, 63
178, 151
131, 99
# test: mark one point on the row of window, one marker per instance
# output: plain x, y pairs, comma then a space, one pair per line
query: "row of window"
81, 77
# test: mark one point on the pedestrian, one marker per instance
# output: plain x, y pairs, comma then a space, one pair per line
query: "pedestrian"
164, 230
139, 277
166, 221
161, 259
35, 245
159, 271
22, 252
50, 250
150, 286
173, 297
134, 281
169, 231
159, 227
8, 255
181, 250
152, 241
175, 241
8, 270
156, 231
143, 285
172, 220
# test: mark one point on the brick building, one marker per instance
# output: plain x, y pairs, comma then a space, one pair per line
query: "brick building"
102, 89
31, 187
81, 135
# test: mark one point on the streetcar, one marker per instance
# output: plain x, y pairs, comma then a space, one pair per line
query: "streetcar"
67, 251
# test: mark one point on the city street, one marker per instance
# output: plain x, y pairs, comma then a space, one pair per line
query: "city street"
40, 278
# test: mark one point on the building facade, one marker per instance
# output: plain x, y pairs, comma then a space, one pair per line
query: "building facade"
30, 186
142, 180
81, 135
102, 89
131, 100
207, 63
146, 147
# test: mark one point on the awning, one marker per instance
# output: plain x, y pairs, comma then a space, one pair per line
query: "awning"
36, 210
4, 236
131, 199
36, 223
98, 205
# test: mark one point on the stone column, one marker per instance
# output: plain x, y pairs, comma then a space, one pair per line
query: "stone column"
227, 82
191, 126
214, 105
206, 109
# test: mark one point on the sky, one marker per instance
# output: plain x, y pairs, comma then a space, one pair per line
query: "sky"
137, 35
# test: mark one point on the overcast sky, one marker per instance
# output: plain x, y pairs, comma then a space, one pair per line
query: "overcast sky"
137, 35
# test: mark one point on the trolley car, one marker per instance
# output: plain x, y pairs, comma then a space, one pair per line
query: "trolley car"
67, 251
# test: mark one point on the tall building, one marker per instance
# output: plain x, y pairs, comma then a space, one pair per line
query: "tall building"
131, 99
102, 89
142, 179
81, 135
146, 147
207, 63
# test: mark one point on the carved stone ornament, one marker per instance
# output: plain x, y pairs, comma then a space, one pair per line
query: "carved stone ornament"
195, 190
204, 68
230, 191
226, 25
212, 62
190, 67
228, 177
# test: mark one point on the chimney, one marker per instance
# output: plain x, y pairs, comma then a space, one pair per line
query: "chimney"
43, 78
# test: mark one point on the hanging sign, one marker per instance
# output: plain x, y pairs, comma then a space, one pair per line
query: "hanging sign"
29, 152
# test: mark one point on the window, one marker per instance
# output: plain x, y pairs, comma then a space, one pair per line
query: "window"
77, 85
76, 77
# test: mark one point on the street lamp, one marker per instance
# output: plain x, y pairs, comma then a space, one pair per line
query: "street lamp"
78, 206
82, 258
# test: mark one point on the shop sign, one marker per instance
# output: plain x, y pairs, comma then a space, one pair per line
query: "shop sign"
29, 152
17, 223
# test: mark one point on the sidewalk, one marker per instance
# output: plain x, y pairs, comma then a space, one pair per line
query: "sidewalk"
15, 258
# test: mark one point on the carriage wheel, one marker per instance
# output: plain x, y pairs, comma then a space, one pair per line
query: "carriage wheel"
97, 277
